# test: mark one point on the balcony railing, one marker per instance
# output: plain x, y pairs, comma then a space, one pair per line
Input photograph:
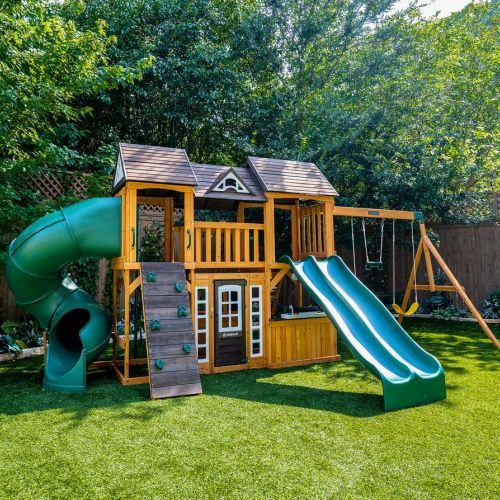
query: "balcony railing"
223, 244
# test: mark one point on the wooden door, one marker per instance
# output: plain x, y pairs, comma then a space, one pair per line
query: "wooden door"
230, 338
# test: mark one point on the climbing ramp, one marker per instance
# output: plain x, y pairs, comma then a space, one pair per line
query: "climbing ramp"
172, 357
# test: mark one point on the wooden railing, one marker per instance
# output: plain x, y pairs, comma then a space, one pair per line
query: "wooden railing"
223, 244
312, 231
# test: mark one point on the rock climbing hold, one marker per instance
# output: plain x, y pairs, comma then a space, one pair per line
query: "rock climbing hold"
179, 287
186, 348
181, 311
160, 364
151, 277
155, 325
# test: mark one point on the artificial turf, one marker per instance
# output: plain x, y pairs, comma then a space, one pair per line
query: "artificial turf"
317, 431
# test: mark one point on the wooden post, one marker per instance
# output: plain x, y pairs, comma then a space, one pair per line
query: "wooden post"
295, 231
461, 292
126, 319
115, 312
329, 243
269, 243
169, 229
411, 279
189, 227
240, 212
427, 255
269, 258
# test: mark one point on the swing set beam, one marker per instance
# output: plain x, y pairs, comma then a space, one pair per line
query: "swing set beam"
376, 213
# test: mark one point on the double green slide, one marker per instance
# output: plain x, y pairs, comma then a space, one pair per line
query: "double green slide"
410, 376
79, 329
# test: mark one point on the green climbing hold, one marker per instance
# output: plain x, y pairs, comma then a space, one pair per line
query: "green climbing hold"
187, 348
182, 312
179, 287
155, 325
160, 364
151, 277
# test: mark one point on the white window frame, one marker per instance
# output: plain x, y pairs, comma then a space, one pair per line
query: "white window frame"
223, 186
229, 288
256, 328
204, 316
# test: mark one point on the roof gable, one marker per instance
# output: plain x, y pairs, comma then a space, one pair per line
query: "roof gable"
209, 176
229, 181
288, 176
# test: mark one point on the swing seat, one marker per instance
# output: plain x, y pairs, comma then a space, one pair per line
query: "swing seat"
379, 266
411, 310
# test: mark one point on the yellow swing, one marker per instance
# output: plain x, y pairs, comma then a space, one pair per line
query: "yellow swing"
414, 307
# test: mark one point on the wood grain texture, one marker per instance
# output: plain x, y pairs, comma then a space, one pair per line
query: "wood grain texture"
302, 341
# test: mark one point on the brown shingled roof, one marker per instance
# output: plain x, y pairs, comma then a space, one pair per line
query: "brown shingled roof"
156, 164
287, 176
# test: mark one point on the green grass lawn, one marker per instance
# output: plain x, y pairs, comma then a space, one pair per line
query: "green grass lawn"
318, 431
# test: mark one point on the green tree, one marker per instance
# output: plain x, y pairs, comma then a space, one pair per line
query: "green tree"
47, 65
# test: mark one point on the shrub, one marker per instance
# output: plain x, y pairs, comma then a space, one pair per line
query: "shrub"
491, 306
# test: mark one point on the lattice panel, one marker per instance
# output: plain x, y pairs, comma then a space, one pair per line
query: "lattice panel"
55, 184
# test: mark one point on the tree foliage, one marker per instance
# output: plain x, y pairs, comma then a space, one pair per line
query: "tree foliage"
48, 67
398, 111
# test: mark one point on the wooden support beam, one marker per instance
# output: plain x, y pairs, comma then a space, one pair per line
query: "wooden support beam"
328, 228
298, 196
411, 279
438, 288
427, 256
375, 213
240, 213
278, 277
169, 229
189, 227
461, 292
135, 284
160, 186
295, 231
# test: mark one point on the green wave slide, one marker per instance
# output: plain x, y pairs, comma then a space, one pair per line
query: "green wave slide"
79, 329
410, 376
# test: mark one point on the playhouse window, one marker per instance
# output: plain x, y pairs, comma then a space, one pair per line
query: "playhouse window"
230, 307
230, 182
256, 320
201, 322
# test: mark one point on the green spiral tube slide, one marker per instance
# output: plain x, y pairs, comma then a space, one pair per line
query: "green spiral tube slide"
79, 329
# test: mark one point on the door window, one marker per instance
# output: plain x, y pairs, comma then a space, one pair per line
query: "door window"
230, 308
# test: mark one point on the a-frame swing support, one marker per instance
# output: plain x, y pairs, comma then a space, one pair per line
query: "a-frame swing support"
427, 248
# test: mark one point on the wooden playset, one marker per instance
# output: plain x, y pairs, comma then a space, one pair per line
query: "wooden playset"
211, 304
232, 274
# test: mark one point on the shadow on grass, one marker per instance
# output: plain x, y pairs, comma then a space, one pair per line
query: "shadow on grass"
453, 342
258, 386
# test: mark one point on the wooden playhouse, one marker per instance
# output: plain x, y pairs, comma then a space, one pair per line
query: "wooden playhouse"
232, 277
